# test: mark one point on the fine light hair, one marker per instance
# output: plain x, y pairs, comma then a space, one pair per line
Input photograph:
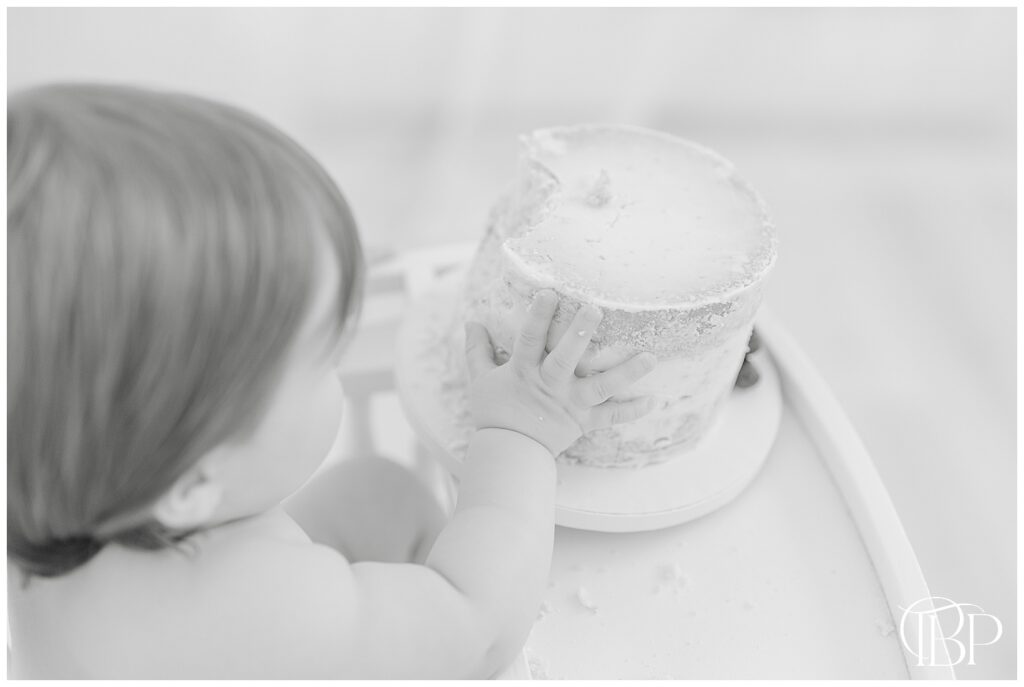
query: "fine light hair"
161, 252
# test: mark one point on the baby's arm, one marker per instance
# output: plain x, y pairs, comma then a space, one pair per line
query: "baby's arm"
468, 610
497, 549
490, 564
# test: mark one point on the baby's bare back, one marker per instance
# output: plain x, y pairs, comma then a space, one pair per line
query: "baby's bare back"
228, 604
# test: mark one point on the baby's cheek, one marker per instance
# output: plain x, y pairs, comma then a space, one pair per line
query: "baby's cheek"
330, 408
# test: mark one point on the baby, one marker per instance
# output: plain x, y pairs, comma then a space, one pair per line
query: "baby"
181, 281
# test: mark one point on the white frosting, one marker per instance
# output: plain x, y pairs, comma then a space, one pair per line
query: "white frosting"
637, 219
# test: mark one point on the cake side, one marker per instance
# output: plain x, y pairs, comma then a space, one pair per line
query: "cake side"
699, 352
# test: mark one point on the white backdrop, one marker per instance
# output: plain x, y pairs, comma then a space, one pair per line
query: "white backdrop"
884, 140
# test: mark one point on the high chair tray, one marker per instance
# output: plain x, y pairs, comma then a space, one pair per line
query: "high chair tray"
805, 574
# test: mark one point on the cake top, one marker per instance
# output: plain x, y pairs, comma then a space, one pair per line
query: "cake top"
636, 219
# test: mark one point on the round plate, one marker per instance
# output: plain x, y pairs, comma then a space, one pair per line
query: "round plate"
686, 487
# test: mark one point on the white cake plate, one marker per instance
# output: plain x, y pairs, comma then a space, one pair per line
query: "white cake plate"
695, 483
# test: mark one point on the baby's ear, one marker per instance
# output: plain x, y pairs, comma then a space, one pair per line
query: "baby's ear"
191, 501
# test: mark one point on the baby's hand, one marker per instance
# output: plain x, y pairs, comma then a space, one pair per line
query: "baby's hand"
540, 395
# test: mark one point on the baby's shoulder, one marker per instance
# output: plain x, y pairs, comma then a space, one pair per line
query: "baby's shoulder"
265, 604
261, 551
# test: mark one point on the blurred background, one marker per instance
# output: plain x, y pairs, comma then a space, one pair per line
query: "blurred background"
883, 140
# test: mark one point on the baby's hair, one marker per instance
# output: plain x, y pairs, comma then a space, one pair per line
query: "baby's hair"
160, 253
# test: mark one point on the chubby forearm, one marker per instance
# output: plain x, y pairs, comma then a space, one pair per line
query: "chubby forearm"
508, 470
497, 548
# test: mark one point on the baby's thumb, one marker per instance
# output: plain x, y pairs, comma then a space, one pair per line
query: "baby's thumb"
479, 354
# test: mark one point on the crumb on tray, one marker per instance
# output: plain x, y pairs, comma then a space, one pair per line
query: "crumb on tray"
583, 596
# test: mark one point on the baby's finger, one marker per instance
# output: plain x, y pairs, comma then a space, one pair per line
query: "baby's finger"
602, 386
617, 412
479, 352
562, 361
529, 347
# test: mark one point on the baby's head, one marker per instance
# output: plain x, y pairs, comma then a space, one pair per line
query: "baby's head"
180, 275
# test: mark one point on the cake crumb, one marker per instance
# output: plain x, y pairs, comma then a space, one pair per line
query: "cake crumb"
885, 628
538, 666
583, 596
672, 576
672, 571
545, 609
600, 193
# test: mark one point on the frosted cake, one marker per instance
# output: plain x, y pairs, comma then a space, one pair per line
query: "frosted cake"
661, 235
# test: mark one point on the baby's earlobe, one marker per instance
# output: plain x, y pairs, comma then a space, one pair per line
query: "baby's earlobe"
190, 503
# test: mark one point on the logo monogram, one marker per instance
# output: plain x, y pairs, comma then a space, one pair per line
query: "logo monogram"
922, 635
